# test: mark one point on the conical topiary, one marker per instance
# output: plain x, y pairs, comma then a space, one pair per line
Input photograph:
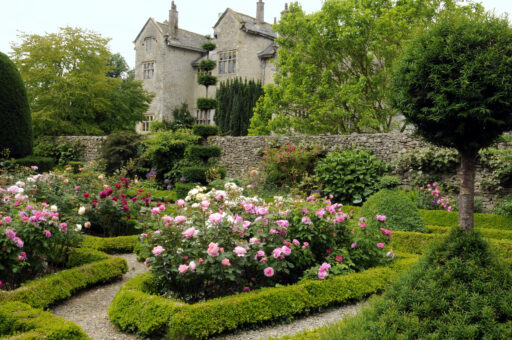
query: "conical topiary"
14, 111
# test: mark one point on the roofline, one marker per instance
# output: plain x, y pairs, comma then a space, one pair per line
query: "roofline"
185, 47
238, 17
143, 27
263, 34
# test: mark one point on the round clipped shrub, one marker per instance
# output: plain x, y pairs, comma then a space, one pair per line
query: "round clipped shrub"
207, 65
205, 130
14, 111
400, 211
206, 79
351, 176
206, 103
458, 290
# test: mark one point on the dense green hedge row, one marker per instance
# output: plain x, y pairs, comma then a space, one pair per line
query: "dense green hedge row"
22, 322
449, 219
135, 310
80, 256
498, 234
44, 164
46, 291
111, 245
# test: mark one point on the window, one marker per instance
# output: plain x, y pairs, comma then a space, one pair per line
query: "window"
148, 42
203, 117
149, 70
227, 62
147, 123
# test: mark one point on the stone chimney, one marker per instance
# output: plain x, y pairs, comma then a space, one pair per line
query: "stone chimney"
173, 22
285, 9
260, 12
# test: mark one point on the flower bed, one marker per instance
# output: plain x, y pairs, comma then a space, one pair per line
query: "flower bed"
135, 309
22, 322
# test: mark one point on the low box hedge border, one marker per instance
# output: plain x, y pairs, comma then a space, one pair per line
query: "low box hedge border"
134, 309
451, 218
111, 245
22, 322
46, 291
498, 234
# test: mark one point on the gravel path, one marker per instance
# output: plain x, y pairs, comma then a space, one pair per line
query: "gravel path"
89, 308
296, 326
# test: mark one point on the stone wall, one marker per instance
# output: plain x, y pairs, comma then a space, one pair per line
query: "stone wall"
92, 145
241, 153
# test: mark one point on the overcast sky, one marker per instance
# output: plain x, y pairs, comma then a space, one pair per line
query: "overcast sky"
121, 20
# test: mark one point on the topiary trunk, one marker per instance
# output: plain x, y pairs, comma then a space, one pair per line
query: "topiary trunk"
467, 192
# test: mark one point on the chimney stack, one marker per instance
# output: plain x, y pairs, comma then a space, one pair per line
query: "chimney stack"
173, 22
285, 9
260, 12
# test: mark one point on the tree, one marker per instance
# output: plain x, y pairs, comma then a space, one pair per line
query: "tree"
236, 100
69, 88
118, 65
334, 65
454, 83
14, 111
206, 79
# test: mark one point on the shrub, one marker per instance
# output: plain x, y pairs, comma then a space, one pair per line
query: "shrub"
458, 290
111, 245
351, 176
206, 103
76, 166
205, 131
61, 150
202, 152
14, 111
182, 189
118, 148
399, 210
44, 164
388, 182
195, 174
206, 80
504, 206
450, 219
207, 65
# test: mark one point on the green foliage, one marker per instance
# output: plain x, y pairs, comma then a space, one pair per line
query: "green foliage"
389, 182
202, 152
206, 103
118, 66
206, 79
498, 163
110, 245
61, 150
69, 88
236, 101
458, 290
207, 65
504, 206
81, 256
497, 234
208, 46
351, 176
118, 148
136, 310
46, 291
75, 166
429, 160
195, 174
182, 118
182, 189
20, 321
449, 219
44, 164
14, 111
263, 110
205, 131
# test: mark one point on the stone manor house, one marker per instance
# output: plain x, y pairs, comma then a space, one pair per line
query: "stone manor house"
166, 60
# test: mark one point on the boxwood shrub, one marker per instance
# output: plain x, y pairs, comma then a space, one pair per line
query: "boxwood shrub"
182, 189
111, 245
203, 152
44, 164
22, 322
134, 309
205, 130
195, 174
451, 218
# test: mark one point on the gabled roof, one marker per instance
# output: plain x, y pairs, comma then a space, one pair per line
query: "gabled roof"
144, 27
250, 24
268, 52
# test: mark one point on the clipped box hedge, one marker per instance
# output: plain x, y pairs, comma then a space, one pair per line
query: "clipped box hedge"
134, 309
46, 291
44, 164
111, 245
451, 218
20, 321
498, 234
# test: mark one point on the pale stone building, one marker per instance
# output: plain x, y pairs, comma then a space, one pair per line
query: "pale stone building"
166, 59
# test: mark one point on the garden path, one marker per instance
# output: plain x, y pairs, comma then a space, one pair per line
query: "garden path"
89, 310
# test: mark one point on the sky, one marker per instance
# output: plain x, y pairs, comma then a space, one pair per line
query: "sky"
122, 20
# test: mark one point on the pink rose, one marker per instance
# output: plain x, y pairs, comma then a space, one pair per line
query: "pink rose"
183, 268
277, 252
47, 233
240, 251
380, 245
260, 253
180, 219
320, 213
268, 272
192, 265
286, 251
305, 245
157, 250
306, 220
205, 204
213, 249
381, 218
322, 275
180, 202
215, 218
325, 267
261, 211
283, 223
23, 256
339, 258
189, 232
225, 262
296, 242
353, 245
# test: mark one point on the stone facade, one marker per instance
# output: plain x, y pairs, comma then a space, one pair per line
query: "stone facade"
166, 59
92, 145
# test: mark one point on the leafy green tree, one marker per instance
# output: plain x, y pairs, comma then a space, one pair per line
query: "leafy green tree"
69, 88
454, 83
118, 66
236, 100
334, 65
14, 111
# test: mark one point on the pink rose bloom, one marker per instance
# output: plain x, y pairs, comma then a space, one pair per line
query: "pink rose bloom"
200, 260
219, 197
268, 272
320, 213
306, 220
339, 258
155, 211
192, 266
277, 252
180, 202
353, 245
305, 245
162, 207
386, 232
213, 249
260, 253
64, 227
167, 219
189, 232
381, 218
283, 223
7, 219
449, 209
246, 225
240, 251
157, 250
238, 219
215, 218
23, 256
254, 240
362, 225
380, 245
180, 219
261, 211
362, 219
225, 262
18, 241
245, 289
286, 251
296, 242
183, 268
47, 233
322, 275
325, 267
205, 204
273, 231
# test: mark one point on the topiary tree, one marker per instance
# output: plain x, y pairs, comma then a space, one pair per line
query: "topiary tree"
206, 79
14, 111
454, 84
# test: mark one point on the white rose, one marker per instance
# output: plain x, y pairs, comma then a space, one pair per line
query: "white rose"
78, 227
81, 211
54, 208
87, 224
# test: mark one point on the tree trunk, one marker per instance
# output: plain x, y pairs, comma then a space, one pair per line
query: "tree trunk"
467, 193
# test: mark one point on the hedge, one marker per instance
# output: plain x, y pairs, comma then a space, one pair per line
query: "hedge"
46, 291
486, 232
80, 256
182, 189
451, 218
135, 310
44, 164
205, 130
111, 245
203, 152
20, 321
194, 174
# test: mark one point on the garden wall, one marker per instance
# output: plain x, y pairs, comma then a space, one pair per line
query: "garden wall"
241, 153
92, 145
